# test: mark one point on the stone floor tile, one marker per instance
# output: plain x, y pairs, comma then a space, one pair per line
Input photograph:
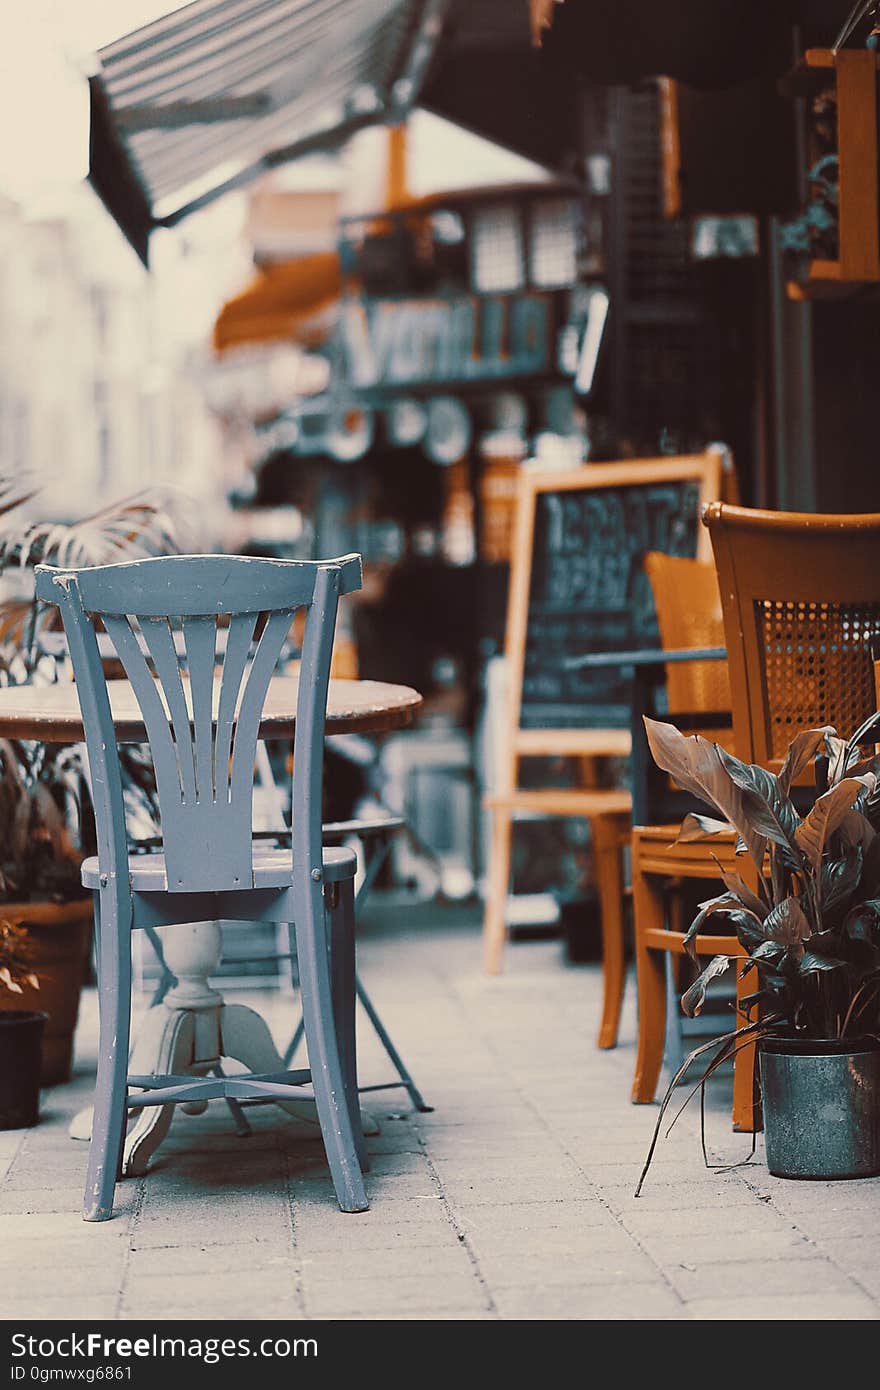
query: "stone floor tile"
803, 1307
626, 1302
391, 1296
64, 1307
773, 1277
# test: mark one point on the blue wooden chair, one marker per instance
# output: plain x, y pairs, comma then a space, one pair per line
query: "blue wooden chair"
203, 736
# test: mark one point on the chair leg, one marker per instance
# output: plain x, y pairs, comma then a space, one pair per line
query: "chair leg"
342, 953
328, 1078
746, 1110
651, 976
111, 1087
494, 921
608, 853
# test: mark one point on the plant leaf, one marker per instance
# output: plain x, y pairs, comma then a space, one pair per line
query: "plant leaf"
862, 922
856, 829
695, 764
811, 964
871, 764
837, 756
725, 905
694, 998
696, 827
826, 815
870, 884
801, 751
736, 884
788, 925
768, 953
837, 881
767, 811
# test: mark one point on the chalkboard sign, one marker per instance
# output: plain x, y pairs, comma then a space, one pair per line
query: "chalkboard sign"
578, 585
589, 592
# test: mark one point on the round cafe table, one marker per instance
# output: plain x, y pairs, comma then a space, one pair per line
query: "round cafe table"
193, 1029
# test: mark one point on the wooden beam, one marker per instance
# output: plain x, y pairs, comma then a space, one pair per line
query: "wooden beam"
857, 163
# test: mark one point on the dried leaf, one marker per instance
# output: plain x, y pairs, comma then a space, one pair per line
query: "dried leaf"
736, 884
837, 758
694, 998
697, 827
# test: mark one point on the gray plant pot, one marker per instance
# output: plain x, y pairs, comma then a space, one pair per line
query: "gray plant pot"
821, 1107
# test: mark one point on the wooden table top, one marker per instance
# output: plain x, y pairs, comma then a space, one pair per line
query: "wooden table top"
51, 713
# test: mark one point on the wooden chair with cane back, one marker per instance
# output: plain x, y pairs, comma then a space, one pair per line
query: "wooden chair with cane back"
698, 700
800, 599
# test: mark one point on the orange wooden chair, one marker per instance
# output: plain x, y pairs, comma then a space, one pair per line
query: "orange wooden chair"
689, 616
800, 597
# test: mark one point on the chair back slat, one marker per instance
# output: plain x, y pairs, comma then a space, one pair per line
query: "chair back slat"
159, 639
200, 644
244, 746
240, 636
163, 737
202, 722
689, 615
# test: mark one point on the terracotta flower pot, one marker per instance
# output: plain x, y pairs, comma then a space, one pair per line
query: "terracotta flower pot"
60, 933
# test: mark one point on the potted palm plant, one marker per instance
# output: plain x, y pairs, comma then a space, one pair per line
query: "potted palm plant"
808, 922
21, 1031
41, 826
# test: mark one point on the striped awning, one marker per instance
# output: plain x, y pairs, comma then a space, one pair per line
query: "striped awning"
210, 96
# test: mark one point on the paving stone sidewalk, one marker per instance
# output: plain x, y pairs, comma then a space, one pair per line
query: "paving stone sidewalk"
513, 1199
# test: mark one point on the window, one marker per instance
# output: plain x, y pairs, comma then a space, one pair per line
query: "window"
553, 244
497, 260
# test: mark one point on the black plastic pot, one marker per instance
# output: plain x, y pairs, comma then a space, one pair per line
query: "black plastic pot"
821, 1107
21, 1038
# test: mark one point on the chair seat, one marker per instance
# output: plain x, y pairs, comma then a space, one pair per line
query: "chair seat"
272, 869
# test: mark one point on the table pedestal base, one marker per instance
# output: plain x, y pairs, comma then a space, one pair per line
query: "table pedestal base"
194, 1031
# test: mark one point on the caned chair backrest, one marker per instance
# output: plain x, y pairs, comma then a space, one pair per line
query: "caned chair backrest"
201, 700
689, 615
800, 594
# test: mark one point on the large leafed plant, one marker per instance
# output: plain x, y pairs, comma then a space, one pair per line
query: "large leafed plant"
806, 910
40, 833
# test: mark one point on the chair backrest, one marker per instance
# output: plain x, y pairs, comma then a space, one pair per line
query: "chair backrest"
800, 594
689, 615
202, 713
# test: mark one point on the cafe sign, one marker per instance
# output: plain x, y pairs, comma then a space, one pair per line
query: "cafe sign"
463, 338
